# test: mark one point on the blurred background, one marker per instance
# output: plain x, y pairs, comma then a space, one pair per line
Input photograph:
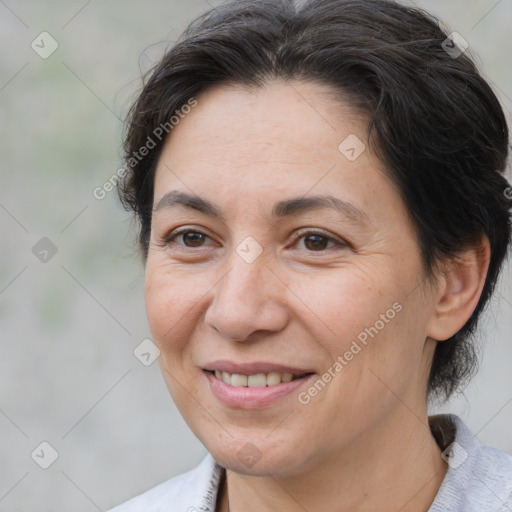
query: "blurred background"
84, 423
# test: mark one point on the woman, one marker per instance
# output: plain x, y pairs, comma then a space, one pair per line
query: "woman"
323, 217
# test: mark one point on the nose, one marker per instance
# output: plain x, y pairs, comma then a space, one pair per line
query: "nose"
249, 298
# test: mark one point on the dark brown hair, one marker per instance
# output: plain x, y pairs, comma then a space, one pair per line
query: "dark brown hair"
434, 121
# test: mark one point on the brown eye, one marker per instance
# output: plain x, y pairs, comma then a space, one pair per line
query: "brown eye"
316, 242
189, 237
193, 239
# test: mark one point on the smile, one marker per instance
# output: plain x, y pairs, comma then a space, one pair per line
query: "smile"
258, 380
253, 390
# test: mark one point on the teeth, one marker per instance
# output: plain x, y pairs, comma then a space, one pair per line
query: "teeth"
238, 380
259, 380
273, 378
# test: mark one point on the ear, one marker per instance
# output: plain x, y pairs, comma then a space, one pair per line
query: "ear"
459, 287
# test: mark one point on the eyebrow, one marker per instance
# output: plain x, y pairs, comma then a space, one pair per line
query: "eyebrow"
284, 208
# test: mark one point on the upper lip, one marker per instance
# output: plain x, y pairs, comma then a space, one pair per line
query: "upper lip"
254, 368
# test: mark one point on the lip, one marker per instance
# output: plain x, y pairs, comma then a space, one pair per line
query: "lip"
253, 398
254, 368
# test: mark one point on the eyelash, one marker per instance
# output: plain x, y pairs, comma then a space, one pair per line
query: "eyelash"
296, 236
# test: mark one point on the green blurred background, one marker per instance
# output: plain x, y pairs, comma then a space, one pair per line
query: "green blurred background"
69, 324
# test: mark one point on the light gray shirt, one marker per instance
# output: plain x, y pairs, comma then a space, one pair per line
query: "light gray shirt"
479, 478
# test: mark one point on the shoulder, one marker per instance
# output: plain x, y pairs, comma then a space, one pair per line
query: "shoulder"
479, 477
193, 491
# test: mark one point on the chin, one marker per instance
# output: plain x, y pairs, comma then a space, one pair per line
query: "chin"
259, 456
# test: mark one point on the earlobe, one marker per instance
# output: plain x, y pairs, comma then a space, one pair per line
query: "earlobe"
459, 288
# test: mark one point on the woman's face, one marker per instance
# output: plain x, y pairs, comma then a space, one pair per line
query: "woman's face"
300, 258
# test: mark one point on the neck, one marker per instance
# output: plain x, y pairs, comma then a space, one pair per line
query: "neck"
396, 467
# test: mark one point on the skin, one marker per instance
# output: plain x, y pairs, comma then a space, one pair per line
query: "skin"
363, 442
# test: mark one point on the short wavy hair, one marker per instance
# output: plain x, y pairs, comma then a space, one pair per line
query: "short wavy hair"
433, 121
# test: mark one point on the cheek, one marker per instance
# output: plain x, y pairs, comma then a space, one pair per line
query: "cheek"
171, 302
380, 358
343, 306
371, 325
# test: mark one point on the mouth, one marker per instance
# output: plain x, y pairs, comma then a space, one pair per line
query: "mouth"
255, 385
256, 380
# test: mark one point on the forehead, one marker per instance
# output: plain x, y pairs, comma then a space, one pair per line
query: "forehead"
301, 115
284, 139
